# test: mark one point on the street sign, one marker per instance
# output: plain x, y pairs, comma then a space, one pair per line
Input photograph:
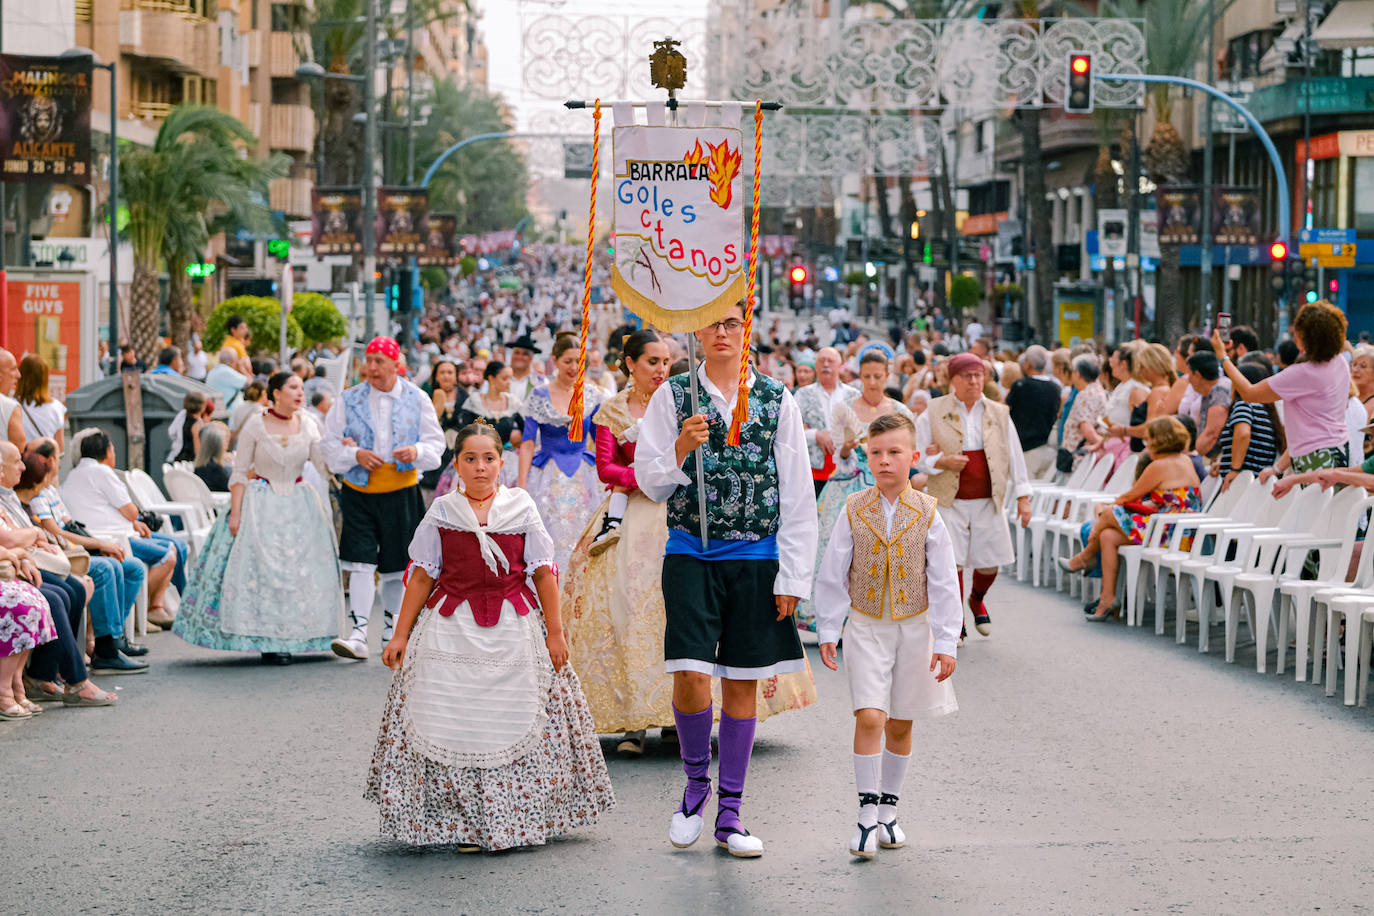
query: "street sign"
1327, 247
1111, 232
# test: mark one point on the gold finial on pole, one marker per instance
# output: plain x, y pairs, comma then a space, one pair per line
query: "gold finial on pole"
667, 66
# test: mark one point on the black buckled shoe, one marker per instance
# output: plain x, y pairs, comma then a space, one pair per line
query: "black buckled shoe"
119, 663
133, 650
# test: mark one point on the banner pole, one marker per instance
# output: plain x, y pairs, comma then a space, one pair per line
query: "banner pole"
701, 467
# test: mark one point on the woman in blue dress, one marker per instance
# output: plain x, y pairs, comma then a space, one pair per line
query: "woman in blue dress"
561, 474
277, 530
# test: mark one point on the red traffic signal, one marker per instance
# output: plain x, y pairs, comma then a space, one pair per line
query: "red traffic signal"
1278, 251
1078, 91
798, 275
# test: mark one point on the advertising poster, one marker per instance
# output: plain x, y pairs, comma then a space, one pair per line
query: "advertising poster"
45, 318
45, 127
1180, 215
336, 221
401, 216
1235, 216
442, 245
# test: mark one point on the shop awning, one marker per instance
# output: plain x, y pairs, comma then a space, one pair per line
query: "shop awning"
1349, 25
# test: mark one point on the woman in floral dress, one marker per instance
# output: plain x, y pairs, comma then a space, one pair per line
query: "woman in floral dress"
561, 474
25, 622
486, 739
849, 421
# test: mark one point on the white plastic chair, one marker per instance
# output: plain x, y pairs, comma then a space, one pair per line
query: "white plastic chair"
1356, 610
1052, 502
336, 369
1333, 540
184, 486
1319, 600
195, 527
1081, 509
1022, 536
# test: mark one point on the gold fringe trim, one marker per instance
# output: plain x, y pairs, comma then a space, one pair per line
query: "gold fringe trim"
677, 322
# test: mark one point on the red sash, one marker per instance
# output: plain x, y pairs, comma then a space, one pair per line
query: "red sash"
975, 481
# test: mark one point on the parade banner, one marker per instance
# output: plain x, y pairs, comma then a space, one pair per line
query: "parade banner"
680, 253
336, 221
1236, 216
1180, 215
401, 215
45, 124
442, 245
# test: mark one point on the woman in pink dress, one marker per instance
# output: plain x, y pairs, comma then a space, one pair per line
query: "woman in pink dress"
25, 622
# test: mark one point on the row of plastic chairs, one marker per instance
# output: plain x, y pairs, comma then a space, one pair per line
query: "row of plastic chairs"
1276, 564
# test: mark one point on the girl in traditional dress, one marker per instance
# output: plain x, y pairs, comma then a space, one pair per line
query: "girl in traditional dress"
448, 399
849, 420
486, 739
612, 585
500, 409
560, 474
277, 530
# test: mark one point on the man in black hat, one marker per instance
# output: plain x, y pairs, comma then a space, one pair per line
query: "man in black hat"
524, 380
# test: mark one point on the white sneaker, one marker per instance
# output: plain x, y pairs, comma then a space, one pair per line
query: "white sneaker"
686, 828
864, 843
355, 647
890, 835
742, 845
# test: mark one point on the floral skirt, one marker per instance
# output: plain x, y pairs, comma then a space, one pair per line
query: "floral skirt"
613, 611
25, 620
560, 784
235, 599
566, 504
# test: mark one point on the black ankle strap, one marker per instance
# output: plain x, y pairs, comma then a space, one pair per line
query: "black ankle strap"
726, 793
705, 779
868, 798
888, 799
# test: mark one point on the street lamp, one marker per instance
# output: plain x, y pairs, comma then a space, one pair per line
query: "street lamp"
113, 198
312, 70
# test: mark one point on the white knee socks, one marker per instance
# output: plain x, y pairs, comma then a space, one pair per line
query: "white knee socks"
866, 770
893, 772
362, 591
393, 590
616, 509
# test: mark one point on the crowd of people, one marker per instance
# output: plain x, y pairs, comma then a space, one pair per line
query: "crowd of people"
504, 537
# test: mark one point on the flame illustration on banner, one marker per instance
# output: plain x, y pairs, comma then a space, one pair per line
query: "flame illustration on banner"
722, 165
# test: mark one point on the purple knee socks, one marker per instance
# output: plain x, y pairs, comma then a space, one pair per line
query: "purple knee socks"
736, 747
694, 743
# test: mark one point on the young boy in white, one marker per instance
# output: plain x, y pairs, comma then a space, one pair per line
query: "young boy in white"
891, 561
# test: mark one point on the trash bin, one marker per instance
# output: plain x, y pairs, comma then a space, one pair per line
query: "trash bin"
101, 404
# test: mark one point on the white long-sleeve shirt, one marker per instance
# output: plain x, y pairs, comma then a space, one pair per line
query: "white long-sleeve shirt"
945, 610
429, 449
973, 441
658, 474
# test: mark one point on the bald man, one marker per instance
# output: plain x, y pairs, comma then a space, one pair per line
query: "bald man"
816, 402
10, 415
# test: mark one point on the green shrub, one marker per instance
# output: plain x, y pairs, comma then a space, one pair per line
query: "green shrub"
964, 292
263, 315
320, 320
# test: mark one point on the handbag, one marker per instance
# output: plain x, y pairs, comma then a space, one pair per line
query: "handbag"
1063, 461
50, 562
151, 519
7, 571
78, 529
79, 559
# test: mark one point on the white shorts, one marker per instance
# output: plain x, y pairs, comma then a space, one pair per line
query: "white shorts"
979, 533
889, 668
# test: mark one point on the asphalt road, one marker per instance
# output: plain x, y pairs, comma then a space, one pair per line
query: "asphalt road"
1091, 769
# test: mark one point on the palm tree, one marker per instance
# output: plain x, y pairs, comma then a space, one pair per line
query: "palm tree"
1175, 36
175, 190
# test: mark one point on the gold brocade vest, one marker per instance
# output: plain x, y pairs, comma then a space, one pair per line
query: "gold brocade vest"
947, 432
887, 575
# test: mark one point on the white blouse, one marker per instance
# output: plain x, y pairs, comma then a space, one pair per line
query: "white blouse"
280, 460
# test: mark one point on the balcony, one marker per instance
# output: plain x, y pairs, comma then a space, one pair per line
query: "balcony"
291, 127
282, 58
180, 42
150, 111
1329, 95
291, 196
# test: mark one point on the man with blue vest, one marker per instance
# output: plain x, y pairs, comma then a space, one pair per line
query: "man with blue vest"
379, 436
729, 605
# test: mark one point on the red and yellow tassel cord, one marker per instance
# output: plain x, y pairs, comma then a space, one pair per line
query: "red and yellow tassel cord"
575, 405
741, 414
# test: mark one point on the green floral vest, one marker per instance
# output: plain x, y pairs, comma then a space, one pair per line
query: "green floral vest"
742, 493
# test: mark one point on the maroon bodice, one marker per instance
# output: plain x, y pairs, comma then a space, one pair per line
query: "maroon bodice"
466, 577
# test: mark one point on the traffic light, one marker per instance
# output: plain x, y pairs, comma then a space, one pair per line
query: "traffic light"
915, 229
797, 275
1078, 93
1278, 269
